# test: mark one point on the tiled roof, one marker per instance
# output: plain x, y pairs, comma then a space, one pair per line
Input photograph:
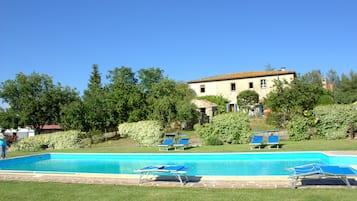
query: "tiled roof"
51, 127
242, 75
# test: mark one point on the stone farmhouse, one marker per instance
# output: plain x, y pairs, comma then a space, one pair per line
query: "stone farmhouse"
230, 85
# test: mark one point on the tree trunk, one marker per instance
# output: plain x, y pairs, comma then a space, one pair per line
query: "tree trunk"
352, 131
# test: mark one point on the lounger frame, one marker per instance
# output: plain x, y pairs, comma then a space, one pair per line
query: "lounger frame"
315, 171
177, 172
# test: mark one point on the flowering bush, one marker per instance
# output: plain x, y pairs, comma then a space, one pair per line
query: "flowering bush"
334, 120
146, 133
231, 128
58, 140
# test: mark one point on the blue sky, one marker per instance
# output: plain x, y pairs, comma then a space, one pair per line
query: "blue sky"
188, 39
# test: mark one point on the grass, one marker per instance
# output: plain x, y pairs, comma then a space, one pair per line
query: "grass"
34, 191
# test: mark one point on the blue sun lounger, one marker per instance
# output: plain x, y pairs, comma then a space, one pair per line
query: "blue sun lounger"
257, 141
273, 140
168, 142
321, 172
176, 170
182, 142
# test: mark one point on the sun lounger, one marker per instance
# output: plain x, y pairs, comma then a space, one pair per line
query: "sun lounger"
169, 141
176, 170
182, 143
320, 172
166, 144
273, 140
257, 141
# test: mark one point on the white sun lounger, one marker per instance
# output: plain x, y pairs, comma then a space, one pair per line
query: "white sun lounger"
176, 170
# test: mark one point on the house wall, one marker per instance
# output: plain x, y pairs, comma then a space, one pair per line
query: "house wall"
224, 87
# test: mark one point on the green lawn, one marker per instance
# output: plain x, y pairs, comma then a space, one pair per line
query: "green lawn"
35, 191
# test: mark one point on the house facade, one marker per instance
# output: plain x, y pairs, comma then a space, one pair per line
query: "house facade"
230, 85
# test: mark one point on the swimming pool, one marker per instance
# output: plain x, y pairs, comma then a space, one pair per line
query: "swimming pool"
205, 164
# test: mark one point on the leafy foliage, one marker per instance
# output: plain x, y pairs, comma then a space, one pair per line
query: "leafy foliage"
299, 128
146, 133
148, 77
125, 98
35, 100
345, 91
220, 101
95, 113
247, 99
169, 101
58, 140
334, 120
289, 99
231, 128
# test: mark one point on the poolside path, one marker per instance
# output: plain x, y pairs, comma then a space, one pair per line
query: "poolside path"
203, 182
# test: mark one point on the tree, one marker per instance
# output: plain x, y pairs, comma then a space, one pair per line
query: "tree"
220, 101
297, 97
169, 102
332, 77
247, 99
127, 101
72, 116
148, 77
94, 107
35, 100
345, 91
8, 118
268, 67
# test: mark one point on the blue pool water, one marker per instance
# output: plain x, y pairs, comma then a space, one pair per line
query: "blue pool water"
226, 164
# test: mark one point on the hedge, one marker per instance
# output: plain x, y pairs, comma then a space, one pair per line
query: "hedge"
334, 120
229, 128
57, 140
146, 133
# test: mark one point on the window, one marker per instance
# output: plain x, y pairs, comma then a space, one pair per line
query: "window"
233, 86
251, 85
202, 88
263, 84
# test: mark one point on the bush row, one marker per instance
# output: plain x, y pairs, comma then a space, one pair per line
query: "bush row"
146, 133
333, 121
58, 140
327, 122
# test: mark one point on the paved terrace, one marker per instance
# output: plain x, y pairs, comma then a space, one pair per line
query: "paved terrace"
199, 182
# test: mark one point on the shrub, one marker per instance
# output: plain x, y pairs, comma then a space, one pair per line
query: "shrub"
231, 128
334, 120
213, 141
276, 119
58, 140
146, 133
298, 128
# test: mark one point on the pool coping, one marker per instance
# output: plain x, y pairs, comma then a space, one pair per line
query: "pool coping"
168, 181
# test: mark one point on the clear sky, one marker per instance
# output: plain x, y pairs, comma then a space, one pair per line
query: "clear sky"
188, 39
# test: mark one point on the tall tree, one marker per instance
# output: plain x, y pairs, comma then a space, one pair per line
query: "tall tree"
8, 118
127, 102
247, 99
94, 103
301, 95
35, 100
169, 101
150, 76
345, 91
332, 77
